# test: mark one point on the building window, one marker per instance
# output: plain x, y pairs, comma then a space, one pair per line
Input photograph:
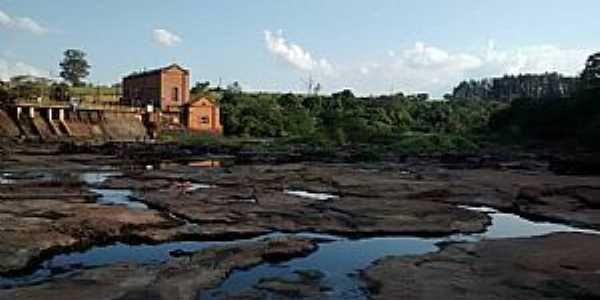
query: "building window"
204, 120
175, 95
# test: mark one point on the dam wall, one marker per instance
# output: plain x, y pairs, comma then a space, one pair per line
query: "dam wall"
52, 124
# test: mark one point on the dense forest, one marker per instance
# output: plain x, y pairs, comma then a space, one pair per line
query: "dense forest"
567, 109
508, 88
343, 118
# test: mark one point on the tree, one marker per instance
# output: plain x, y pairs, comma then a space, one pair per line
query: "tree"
591, 73
59, 92
74, 67
4, 94
200, 88
234, 88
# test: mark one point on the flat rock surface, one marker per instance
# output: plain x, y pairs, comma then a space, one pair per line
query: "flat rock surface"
183, 278
366, 203
559, 266
43, 220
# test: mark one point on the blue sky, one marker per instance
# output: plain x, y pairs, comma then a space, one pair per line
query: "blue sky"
373, 47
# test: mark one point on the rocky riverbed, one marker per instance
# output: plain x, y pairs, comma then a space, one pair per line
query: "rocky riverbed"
54, 203
557, 266
183, 277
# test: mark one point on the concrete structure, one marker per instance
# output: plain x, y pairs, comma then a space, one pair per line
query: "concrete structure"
203, 114
52, 121
166, 88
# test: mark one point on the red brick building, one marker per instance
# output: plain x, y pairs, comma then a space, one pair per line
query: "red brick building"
203, 114
167, 88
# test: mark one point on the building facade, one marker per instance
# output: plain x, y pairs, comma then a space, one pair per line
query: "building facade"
203, 115
167, 89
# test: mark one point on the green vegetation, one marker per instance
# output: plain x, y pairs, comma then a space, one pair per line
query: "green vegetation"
343, 119
74, 67
573, 121
33, 88
567, 112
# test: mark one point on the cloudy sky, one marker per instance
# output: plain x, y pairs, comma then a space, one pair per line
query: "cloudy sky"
372, 47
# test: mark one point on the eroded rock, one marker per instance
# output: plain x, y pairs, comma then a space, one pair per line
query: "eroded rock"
42, 221
182, 278
559, 266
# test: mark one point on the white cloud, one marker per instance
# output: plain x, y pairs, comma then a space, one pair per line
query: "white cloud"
419, 69
5, 20
166, 38
425, 68
295, 55
10, 69
21, 23
534, 59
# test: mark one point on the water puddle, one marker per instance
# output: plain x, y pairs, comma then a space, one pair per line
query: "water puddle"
5, 178
12, 178
111, 196
505, 225
93, 178
64, 265
192, 186
312, 196
118, 197
341, 259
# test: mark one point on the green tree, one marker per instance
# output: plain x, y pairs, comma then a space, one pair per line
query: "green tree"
74, 67
59, 91
4, 94
234, 88
591, 73
200, 88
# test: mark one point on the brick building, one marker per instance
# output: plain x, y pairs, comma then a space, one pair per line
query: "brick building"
167, 89
203, 114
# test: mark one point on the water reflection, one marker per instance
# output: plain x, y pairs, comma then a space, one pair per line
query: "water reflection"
206, 164
111, 196
118, 197
65, 265
337, 260
5, 178
93, 178
340, 260
505, 225
312, 196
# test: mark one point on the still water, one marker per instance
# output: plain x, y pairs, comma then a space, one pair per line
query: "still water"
340, 259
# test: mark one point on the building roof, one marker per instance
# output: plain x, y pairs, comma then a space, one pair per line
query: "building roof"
200, 99
155, 71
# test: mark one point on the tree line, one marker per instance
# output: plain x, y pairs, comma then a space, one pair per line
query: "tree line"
343, 118
574, 119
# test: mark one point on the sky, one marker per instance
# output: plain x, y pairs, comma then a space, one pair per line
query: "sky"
371, 47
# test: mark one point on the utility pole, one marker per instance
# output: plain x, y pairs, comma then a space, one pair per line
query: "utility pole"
309, 84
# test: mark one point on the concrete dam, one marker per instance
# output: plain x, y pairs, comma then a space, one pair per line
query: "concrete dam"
58, 122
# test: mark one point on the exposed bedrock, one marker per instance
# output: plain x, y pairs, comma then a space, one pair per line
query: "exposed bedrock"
559, 266
41, 221
182, 278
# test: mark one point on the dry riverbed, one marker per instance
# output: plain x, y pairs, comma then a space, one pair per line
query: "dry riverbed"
52, 203
558, 266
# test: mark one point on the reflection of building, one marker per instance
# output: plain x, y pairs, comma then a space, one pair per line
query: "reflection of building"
167, 88
206, 164
203, 114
